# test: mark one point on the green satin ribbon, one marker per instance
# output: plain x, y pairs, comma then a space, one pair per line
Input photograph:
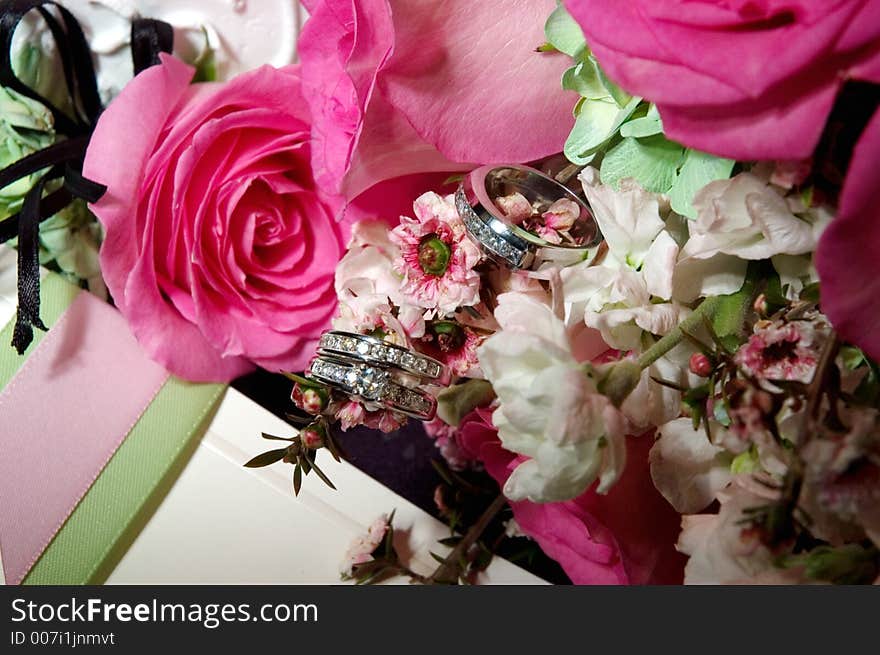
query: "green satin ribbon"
136, 479
130, 488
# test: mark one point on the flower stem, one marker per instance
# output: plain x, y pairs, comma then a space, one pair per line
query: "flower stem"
448, 571
706, 310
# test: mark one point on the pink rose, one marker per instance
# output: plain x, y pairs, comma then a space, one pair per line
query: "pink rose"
847, 256
747, 79
399, 87
218, 250
626, 536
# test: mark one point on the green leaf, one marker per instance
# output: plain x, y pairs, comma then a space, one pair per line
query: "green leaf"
621, 97
272, 437
698, 169
323, 477
642, 127
746, 462
729, 319
721, 414
847, 564
852, 357
585, 78
597, 122
653, 162
297, 479
206, 63
456, 402
332, 446
483, 559
267, 458
297, 378
563, 33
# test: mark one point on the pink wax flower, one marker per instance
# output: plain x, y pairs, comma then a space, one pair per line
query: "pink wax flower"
445, 438
453, 344
219, 249
361, 549
791, 58
623, 537
353, 413
437, 258
394, 94
781, 351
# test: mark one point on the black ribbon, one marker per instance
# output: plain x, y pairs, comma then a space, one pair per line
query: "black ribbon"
64, 159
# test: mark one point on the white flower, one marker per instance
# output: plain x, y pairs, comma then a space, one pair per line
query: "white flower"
549, 409
686, 467
652, 403
619, 295
746, 217
721, 549
739, 219
629, 218
367, 287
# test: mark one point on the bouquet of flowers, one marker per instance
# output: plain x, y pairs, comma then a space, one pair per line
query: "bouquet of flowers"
629, 287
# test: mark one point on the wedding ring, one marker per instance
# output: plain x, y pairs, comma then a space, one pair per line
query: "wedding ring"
372, 384
372, 350
513, 245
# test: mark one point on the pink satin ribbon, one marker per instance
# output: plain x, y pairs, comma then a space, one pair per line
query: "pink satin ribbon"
62, 417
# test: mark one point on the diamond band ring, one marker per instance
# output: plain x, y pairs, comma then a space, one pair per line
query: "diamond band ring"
477, 202
372, 350
373, 385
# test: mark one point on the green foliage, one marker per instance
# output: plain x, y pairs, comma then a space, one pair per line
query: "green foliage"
847, 564
25, 127
457, 401
624, 132
206, 62
653, 161
563, 33
697, 170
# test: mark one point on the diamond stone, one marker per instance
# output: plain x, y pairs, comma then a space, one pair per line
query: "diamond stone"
363, 348
368, 382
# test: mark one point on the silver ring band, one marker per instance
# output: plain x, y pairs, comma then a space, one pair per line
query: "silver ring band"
372, 384
509, 243
372, 350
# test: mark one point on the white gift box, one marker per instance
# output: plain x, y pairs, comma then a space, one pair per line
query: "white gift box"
222, 523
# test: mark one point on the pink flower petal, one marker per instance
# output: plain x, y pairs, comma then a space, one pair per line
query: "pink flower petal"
847, 261
791, 58
467, 77
624, 537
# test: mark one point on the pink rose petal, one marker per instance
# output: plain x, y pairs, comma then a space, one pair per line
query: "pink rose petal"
849, 269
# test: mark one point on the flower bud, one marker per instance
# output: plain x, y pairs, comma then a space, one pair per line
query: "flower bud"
312, 436
515, 207
561, 215
312, 399
619, 380
700, 365
760, 305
